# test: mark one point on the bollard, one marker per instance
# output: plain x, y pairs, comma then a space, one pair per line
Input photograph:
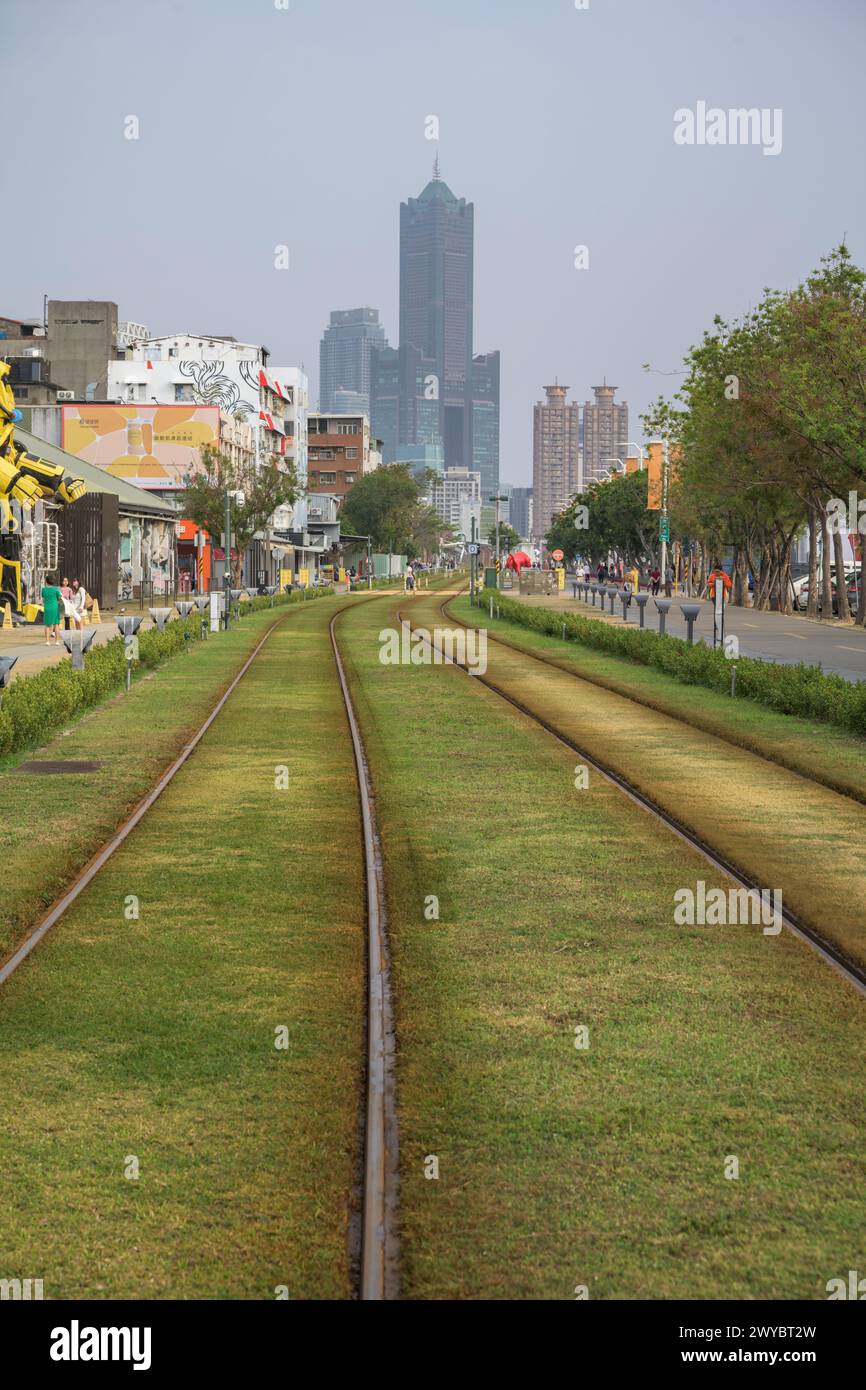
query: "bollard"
563, 632
574, 591
612, 593
160, 617
624, 600
491, 610
690, 611
663, 604
593, 589
733, 680
641, 600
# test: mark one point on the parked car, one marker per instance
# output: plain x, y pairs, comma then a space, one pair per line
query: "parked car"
852, 583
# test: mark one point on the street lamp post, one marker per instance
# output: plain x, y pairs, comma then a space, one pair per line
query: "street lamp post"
497, 498
227, 579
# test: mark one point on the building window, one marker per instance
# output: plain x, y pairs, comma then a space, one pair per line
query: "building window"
327, 478
344, 428
183, 393
172, 352
351, 453
349, 477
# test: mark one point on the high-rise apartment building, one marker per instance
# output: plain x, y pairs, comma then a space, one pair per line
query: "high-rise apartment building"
456, 496
556, 473
345, 359
485, 421
605, 433
520, 511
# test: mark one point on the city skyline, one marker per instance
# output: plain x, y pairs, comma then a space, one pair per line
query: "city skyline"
675, 234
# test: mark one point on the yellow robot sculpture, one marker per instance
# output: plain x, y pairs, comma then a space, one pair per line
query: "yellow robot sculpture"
23, 479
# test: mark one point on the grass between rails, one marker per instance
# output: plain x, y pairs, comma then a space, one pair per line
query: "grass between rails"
156, 1037
605, 1166
819, 751
784, 831
52, 824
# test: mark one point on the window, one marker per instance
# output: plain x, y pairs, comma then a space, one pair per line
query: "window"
343, 427
349, 477
172, 352
183, 393
327, 478
351, 453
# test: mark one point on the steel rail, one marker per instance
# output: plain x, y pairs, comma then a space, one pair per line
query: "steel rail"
93, 866
850, 970
378, 1238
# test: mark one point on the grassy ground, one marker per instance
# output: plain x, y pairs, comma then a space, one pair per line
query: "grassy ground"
603, 1166
785, 831
819, 751
155, 1038
51, 824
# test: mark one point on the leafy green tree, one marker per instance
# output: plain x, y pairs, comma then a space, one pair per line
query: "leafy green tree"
508, 537
265, 486
610, 517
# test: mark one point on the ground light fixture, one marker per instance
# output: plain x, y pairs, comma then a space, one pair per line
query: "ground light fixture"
77, 643
128, 624
612, 592
270, 590
236, 601
624, 599
663, 604
160, 616
184, 608
202, 603
641, 600
593, 589
690, 611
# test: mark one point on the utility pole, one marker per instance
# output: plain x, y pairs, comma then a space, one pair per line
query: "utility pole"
499, 497
472, 563
663, 528
227, 577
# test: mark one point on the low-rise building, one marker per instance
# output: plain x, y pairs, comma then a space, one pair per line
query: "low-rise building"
338, 451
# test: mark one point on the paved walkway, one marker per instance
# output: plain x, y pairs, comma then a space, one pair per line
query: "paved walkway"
835, 646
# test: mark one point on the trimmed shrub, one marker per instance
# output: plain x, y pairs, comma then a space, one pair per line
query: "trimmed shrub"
804, 691
34, 707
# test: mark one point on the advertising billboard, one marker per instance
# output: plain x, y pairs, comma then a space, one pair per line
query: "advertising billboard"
153, 446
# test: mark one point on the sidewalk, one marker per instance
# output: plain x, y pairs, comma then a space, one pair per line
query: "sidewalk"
786, 638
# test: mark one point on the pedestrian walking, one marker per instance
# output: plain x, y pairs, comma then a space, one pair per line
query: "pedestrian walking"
51, 603
79, 603
655, 579
66, 595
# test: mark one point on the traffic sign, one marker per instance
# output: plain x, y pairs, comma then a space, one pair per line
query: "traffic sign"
558, 554
472, 548
664, 529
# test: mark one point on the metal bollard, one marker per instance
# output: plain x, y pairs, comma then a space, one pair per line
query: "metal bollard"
690, 611
663, 604
641, 600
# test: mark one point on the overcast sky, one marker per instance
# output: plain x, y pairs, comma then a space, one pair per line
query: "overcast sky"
262, 126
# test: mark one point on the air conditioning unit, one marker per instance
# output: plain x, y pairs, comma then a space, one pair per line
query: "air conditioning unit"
66, 395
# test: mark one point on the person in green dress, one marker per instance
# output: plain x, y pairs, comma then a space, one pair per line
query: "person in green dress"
51, 603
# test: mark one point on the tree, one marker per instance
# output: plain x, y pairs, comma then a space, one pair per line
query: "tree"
508, 537
265, 486
388, 506
609, 517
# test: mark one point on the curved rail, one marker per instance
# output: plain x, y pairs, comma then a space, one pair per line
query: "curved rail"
851, 971
92, 867
378, 1239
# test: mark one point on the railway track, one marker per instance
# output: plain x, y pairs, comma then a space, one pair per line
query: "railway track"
378, 1254
379, 1238
86, 875
849, 970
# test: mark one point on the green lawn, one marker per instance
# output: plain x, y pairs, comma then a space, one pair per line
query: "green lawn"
784, 830
155, 1038
819, 751
603, 1166
51, 825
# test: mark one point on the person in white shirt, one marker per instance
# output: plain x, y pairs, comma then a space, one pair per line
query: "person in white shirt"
79, 603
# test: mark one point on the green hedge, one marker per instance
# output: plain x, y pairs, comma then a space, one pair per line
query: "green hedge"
34, 707
805, 691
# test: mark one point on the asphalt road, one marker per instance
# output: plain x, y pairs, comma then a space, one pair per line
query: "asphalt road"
771, 636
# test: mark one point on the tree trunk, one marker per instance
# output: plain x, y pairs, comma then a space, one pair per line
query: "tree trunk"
841, 586
826, 582
812, 606
861, 609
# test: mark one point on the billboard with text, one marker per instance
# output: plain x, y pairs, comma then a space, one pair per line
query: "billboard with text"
152, 446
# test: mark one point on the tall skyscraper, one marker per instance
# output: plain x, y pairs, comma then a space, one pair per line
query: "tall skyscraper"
520, 511
345, 359
485, 421
605, 433
555, 456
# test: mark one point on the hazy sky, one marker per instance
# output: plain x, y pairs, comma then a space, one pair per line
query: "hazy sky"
305, 126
